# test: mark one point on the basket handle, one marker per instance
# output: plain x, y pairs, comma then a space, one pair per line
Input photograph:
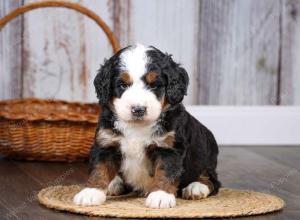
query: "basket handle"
74, 6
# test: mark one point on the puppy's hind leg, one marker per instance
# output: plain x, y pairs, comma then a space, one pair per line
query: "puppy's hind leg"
200, 189
195, 190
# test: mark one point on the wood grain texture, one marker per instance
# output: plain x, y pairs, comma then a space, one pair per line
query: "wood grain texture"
290, 63
62, 52
243, 169
10, 53
248, 168
169, 25
285, 155
121, 11
238, 52
20, 184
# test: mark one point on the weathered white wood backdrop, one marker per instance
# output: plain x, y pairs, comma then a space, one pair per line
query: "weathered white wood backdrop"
290, 52
10, 54
236, 52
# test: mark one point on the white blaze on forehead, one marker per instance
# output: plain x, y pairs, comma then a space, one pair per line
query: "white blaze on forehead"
134, 61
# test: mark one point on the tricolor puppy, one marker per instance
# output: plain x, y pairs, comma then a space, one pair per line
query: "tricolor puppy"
145, 140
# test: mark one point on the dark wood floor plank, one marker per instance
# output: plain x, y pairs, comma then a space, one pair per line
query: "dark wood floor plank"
260, 169
280, 215
286, 155
49, 173
18, 196
241, 168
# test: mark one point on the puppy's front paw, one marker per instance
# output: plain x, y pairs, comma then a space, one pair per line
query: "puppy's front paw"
89, 196
195, 190
160, 200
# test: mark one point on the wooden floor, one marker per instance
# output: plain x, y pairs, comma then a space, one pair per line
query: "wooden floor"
267, 169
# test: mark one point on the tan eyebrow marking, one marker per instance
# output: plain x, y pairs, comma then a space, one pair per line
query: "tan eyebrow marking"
151, 77
126, 78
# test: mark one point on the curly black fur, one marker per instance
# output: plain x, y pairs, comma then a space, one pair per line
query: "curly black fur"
195, 150
177, 79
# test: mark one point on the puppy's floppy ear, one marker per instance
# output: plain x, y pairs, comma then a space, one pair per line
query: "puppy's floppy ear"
102, 82
177, 81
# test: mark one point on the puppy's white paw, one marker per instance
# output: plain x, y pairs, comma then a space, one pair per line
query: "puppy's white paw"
89, 196
116, 187
195, 190
160, 200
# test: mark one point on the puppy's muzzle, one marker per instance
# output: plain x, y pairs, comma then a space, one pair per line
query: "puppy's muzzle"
138, 111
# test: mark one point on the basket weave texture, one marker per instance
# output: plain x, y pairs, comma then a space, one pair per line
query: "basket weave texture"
227, 203
51, 130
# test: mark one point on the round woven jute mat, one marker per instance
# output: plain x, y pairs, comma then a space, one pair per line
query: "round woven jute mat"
227, 203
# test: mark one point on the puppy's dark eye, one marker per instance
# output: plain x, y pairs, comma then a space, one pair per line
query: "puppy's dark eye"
153, 87
123, 86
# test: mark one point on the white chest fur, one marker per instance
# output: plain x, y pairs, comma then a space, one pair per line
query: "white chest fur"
135, 165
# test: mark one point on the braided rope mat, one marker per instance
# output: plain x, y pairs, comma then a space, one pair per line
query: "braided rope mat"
228, 203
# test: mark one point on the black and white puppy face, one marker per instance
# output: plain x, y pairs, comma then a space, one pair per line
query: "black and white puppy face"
138, 92
139, 82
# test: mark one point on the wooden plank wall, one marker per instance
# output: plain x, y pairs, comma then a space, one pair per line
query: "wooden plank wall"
165, 25
290, 62
62, 59
236, 52
10, 53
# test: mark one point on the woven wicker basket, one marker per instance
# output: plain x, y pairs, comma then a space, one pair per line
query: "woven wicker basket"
49, 130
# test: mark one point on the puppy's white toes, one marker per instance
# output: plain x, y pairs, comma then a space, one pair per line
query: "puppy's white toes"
195, 190
89, 197
160, 200
116, 187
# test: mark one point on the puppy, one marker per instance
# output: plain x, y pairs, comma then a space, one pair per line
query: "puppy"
145, 139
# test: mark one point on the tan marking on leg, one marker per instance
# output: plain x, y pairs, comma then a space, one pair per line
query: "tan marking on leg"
107, 138
102, 175
205, 180
161, 182
169, 139
166, 140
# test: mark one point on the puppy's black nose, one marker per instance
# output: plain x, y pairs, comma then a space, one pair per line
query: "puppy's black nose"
138, 111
